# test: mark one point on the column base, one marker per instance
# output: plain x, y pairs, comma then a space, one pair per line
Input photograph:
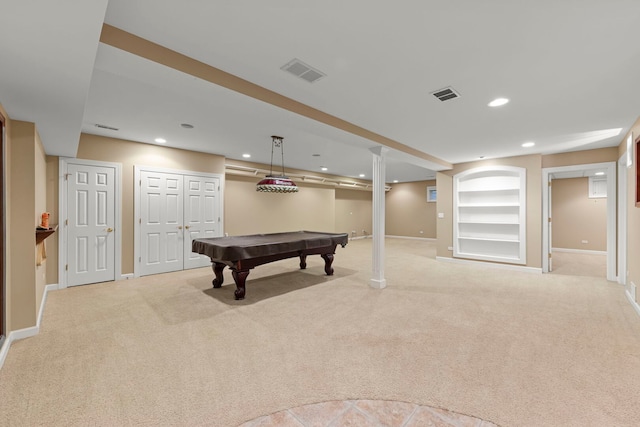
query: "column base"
378, 283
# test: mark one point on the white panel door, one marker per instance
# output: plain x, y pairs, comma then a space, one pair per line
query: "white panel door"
201, 215
161, 222
91, 222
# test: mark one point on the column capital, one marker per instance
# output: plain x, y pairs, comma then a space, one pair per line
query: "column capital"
380, 150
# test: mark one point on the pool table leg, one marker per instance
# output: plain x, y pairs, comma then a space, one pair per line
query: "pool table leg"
303, 261
217, 270
328, 260
240, 278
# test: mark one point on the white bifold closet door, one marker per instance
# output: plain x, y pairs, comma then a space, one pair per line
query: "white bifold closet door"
201, 215
174, 210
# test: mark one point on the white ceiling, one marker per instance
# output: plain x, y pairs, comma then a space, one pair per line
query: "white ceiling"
570, 69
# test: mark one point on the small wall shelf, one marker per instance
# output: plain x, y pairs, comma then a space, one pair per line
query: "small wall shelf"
489, 214
42, 234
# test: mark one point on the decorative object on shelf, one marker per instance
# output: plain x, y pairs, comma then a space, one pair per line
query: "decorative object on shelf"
432, 194
45, 220
277, 183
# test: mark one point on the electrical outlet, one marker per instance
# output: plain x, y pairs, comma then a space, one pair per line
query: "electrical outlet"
450, 248
421, 232
585, 241
441, 215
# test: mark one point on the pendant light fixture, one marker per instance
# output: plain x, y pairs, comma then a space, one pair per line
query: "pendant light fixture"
277, 183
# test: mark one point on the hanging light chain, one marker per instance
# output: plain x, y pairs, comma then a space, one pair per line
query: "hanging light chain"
277, 142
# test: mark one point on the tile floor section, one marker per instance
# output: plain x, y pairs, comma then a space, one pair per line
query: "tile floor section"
366, 413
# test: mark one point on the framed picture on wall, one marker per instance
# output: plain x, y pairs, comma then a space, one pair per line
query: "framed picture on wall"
432, 194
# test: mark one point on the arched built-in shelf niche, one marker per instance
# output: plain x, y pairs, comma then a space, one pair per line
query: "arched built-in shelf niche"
489, 209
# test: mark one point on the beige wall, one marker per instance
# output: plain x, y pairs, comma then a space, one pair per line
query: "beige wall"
8, 270
576, 217
533, 165
247, 211
633, 214
353, 213
129, 154
22, 244
585, 157
444, 206
52, 207
407, 211
40, 170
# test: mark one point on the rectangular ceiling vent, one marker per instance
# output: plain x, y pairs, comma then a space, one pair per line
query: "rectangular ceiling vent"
106, 127
446, 94
302, 70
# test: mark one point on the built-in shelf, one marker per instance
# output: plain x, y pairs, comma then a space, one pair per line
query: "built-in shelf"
42, 234
489, 222
489, 214
487, 205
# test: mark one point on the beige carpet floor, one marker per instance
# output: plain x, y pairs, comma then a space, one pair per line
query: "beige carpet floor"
514, 348
580, 264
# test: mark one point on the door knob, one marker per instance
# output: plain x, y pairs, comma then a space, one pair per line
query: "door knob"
179, 227
187, 227
109, 230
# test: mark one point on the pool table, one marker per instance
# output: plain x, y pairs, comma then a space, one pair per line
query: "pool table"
242, 253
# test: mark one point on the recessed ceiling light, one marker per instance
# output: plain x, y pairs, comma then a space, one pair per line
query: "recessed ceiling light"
316, 155
498, 102
160, 140
324, 169
186, 125
599, 173
246, 156
481, 157
395, 180
528, 144
361, 175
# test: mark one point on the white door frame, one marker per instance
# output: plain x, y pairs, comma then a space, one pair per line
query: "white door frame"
611, 212
622, 219
138, 169
62, 215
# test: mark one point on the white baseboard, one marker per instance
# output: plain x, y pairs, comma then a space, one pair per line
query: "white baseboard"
126, 276
369, 236
491, 264
14, 336
431, 239
631, 298
47, 288
578, 251
26, 332
633, 303
359, 237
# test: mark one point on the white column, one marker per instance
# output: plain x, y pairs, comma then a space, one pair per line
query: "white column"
378, 281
